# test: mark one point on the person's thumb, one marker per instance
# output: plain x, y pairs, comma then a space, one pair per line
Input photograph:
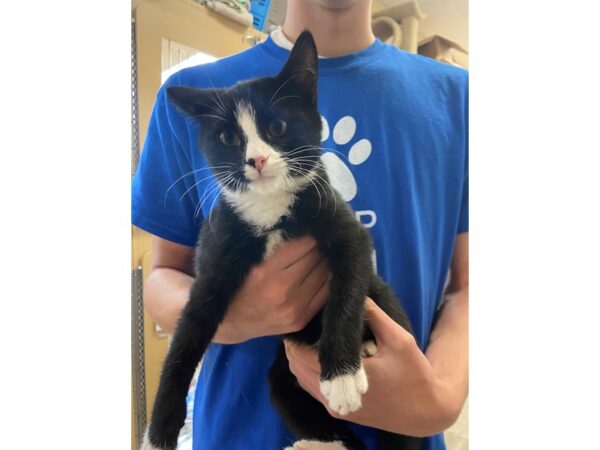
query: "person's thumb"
377, 320
383, 326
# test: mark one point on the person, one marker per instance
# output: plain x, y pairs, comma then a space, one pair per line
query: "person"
395, 146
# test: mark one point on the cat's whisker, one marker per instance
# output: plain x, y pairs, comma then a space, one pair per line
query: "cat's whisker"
203, 197
232, 180
333, 193
208, 193
306, 159
214, 116
326, 149
337, 152
281, 87
299, 161
290, 182
220, 100
217, 110
312, 175
309, 176
188, 174
210, 214
283, 98
221, 105
211, 189
194, 185
300, 149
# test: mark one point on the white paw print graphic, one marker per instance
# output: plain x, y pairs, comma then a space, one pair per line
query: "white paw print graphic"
339, 174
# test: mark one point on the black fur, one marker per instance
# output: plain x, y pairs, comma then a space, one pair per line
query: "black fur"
229, 247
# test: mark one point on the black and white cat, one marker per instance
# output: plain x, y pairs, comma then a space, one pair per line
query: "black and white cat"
262, 140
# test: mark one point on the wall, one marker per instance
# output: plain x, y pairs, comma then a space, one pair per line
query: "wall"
196, 26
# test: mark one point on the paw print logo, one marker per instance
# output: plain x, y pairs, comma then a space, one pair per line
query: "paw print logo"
339, 174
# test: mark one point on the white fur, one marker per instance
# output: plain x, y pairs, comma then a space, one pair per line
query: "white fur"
344, 393
275, 167
271, 192
255, 145
317, 445
369, 348
261, 210
146, 445
273, 240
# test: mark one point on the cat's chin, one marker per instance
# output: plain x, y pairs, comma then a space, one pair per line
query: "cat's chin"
266, 185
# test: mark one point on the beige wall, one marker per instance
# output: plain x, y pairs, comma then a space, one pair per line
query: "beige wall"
198, 27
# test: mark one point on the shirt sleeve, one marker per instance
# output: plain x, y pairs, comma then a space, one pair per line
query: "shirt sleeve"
463, 218
163, 196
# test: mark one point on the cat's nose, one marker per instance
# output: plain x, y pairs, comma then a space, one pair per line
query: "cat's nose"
258, 163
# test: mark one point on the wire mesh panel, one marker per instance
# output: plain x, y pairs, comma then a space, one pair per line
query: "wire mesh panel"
135, 138
137, 352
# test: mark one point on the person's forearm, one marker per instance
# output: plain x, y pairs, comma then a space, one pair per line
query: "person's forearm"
166, 292
448, 349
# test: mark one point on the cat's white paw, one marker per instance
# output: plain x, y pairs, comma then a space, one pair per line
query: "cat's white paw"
369, 348
344, 392
146, 444
316, 445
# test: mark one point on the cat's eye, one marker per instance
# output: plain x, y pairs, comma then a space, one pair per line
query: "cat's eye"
229, 138
277, 127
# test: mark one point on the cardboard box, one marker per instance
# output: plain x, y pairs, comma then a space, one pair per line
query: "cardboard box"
444, 50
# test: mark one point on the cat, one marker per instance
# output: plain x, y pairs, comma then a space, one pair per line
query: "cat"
262, 138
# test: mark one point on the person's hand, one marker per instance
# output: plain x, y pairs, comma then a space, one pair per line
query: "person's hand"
404, 396
279, 296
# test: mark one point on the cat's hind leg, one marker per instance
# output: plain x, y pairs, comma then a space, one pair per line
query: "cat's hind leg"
304, 415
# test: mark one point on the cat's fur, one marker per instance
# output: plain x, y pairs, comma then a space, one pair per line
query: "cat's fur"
289, 197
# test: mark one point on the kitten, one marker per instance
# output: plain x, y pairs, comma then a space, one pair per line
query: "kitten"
262, 140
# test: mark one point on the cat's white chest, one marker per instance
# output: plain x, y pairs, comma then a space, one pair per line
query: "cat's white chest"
261, 211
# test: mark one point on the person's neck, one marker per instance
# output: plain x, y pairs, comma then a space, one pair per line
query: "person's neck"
337, 32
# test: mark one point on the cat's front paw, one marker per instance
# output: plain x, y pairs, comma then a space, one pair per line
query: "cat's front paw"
147, 445
343, 393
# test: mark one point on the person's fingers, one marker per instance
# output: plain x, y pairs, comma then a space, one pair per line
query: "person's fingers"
290, 252
302, 267
317, 301
306, 374
314, 278
386, 331
304, 355
307, 378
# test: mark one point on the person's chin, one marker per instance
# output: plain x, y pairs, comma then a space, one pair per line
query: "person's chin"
335, 4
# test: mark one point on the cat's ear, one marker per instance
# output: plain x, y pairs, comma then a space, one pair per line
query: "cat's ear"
300, 70
196, 103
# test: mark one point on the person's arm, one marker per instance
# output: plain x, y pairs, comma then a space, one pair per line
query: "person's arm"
448, 350
279, 296
409, 392
166, 290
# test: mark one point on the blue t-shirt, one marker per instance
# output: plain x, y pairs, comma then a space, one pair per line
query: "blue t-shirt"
395, 146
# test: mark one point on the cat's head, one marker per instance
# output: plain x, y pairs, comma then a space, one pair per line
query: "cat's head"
264, 134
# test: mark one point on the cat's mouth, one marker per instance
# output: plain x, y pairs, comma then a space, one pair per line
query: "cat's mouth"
267, 180
263, 180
